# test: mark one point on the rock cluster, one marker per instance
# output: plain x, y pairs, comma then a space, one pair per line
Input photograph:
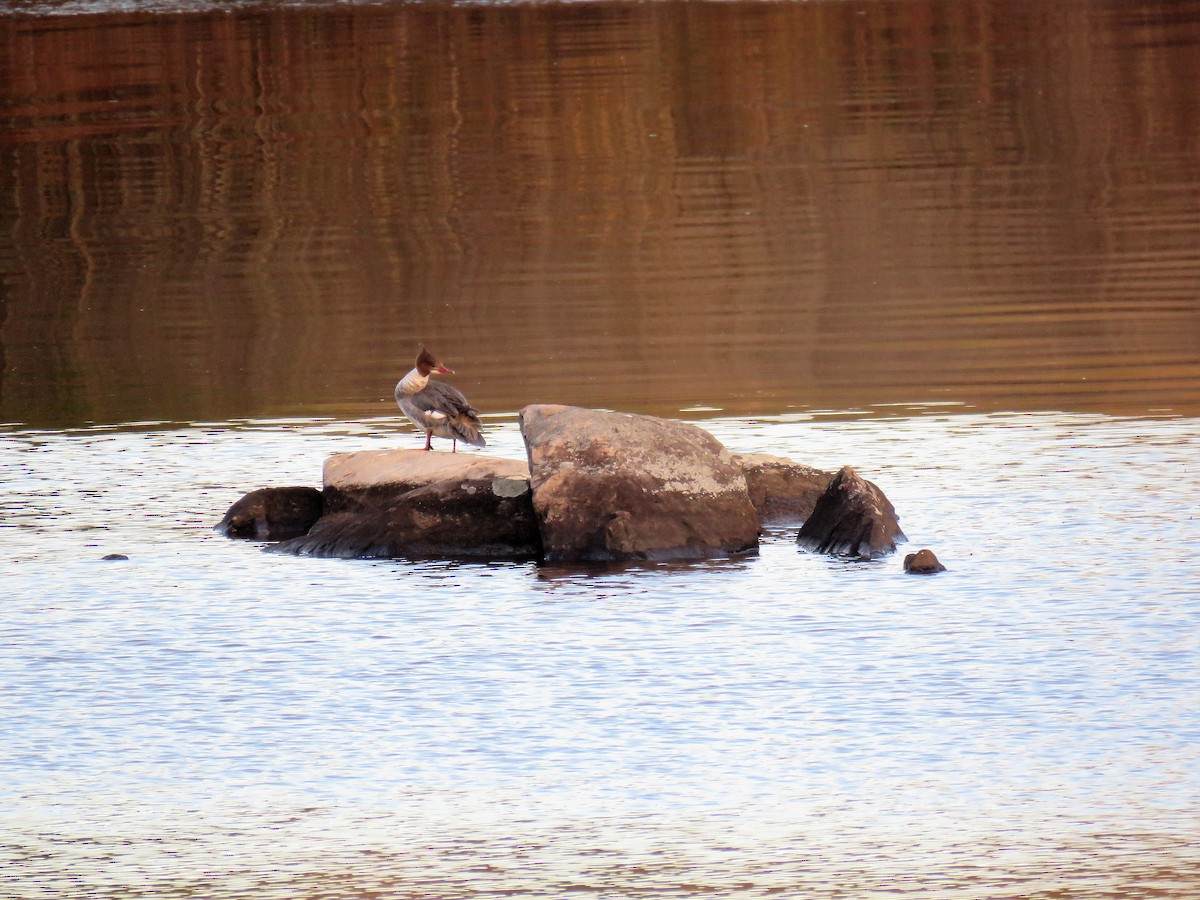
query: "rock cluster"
597, 486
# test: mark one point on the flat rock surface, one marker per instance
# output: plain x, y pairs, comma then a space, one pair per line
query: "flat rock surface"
618, 486
376, 477
367, 468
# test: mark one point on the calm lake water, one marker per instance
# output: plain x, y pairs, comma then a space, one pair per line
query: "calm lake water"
207, 719
953, 244
649, 206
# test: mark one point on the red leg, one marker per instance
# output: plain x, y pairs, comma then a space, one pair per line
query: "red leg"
453, 445
429, 440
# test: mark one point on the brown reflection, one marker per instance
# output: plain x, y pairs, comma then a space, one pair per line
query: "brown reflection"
646, 206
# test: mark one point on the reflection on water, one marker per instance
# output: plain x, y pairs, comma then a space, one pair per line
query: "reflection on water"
210, 720
755, 207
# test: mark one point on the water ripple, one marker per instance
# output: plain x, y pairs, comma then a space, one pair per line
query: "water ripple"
205, 717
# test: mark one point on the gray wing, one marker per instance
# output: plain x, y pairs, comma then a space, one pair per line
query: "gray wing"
447, 406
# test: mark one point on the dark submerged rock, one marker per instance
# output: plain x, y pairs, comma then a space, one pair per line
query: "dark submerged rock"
114, 557
464, 518
780, 489
852, 517
273, 514
616, 486
923, 562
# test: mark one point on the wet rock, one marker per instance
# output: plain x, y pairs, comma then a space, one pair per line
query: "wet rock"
780, 489
923, 562
272, 514
374, 478
615, 486
852, 518
422, 504
477, 518
114, 557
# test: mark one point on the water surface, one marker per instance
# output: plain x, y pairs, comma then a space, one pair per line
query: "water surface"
207, 718
953, 244
261, 211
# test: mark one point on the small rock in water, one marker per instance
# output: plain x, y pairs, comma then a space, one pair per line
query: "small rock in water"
273, 514
114, 556
923, 562
851, 518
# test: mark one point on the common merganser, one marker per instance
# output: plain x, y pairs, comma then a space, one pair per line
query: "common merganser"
438, 408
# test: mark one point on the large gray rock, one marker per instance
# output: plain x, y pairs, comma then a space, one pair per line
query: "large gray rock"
852, 518
781, 490
272, 514
617, 486
473, 518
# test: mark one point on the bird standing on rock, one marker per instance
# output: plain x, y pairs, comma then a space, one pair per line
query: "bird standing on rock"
438, 408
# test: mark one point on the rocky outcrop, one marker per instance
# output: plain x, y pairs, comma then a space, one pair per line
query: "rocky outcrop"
852, 517
782, 491
467, 518
616, 486
597, 486
273, 514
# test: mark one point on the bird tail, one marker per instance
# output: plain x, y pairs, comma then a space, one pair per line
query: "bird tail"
467, 428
